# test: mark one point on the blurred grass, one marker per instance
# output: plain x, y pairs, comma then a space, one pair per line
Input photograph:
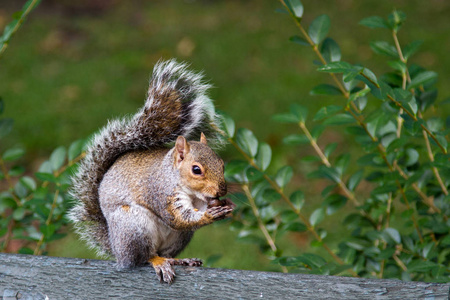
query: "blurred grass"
70, 68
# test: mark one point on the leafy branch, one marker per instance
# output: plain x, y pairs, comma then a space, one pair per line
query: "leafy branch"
11, 28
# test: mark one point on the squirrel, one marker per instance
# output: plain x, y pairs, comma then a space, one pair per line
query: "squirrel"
141, 201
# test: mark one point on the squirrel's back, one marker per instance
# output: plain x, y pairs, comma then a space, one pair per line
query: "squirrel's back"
176, 104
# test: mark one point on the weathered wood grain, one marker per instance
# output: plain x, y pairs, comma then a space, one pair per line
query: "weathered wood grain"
40, 277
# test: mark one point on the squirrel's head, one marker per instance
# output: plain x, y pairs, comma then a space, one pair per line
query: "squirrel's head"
201, 169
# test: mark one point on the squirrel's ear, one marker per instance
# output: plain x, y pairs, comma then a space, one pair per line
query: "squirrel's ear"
203, 139
181, 149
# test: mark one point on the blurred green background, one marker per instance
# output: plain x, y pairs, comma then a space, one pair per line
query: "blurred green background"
75, 64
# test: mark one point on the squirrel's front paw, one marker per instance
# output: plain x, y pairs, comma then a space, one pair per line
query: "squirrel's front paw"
219, 212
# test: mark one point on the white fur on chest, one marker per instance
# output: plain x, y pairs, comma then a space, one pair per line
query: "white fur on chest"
162, 236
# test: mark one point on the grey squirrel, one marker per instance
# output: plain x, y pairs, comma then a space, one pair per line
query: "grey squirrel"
140, 201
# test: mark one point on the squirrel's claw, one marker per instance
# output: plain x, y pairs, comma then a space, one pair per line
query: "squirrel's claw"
219, 212
191, 262
164, 272
163, 269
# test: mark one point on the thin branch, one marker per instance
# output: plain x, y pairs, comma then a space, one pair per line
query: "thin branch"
37, 250
9, 182
19, 23
261, 225
8, 235
65, 167
327, 163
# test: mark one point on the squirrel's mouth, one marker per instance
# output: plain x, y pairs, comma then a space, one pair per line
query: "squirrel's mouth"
216, 201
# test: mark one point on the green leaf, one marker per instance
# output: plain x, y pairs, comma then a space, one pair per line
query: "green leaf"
13, 154
268, 196
384, 189
298, 199
396, 20
285, 118
16, 171
336, 67
288, 216
299, 111
325, 89
393, 234
28, 182
319, 28
411, 48
441, 139
330, 173
354, 180
296, 139
284, 175
20, 189
398, 65
253, 174
6, 126
19, 213
312, 260
298, 40
295, 6
296, 227
342, 162
374, 22
247, 141
45, 177
75, 149
317, 216
334, 203
422, 78
369, 74
327, 111
329, 149
45, 167
330, 50
419, 265
359, 94
412, 156
47, 230
384, 48
26, 250
2, 103
339, 119
227, 124
235, 167
264, 156
57, 158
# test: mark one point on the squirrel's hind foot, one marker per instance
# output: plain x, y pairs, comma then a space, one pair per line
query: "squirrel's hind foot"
164, 270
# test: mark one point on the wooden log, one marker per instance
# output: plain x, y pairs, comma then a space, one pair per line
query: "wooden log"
41, 277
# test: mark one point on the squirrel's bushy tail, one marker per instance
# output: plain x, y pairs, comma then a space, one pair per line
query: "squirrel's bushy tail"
176, 104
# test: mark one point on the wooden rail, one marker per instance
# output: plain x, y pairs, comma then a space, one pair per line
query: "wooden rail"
41, 277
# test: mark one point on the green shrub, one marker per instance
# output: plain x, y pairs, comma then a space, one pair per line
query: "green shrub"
32, 208
397, 226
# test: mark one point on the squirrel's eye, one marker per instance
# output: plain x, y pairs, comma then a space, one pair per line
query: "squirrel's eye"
196, 170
